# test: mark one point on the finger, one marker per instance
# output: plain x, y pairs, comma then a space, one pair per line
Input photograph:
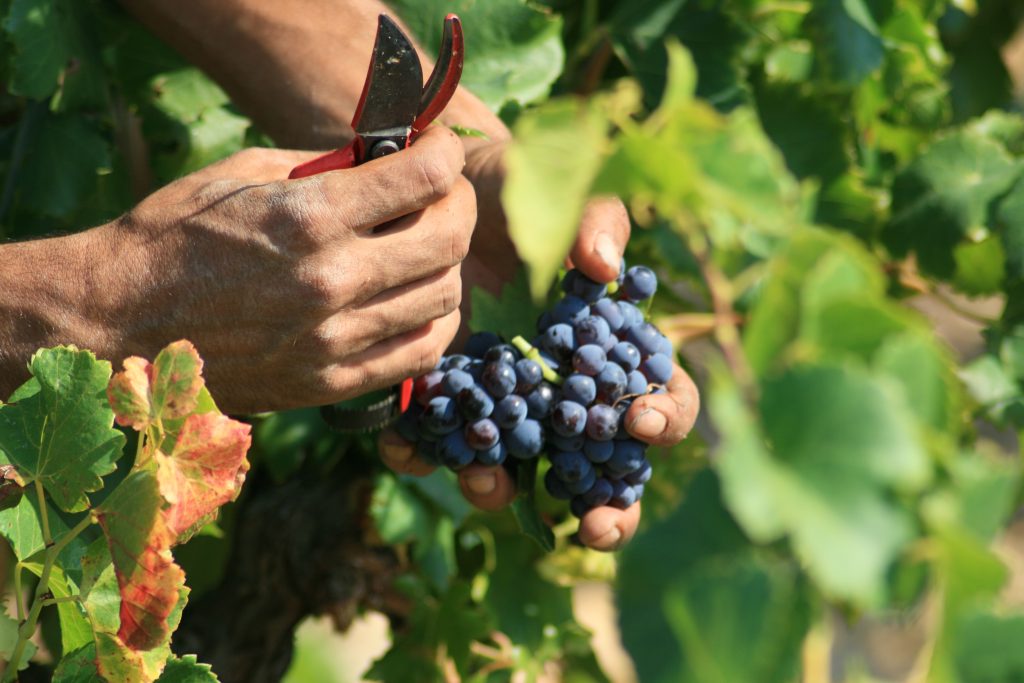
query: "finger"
488, 488
665, 419
391, 360
420, 244
256, 164
384, 189
607, 528
604, 231
400, 456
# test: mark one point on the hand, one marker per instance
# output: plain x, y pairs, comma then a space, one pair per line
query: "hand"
658, 419
297, 292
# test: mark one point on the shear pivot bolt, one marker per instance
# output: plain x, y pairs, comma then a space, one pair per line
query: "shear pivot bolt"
383, 148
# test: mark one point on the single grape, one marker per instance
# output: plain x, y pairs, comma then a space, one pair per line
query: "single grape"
427, 387
540, 401
640, 283
611, 383
474, 403
475, 369
645, 337
627, 457
455, 381
578, 507
602, 422
571, 466
610, 311
566, 443
559, 341
569, 281
495, 455
599, 494
587, 289
570, 310
598, 452
582, 485
579, 388
499, 379
592, 330
544, 321
526, 440
502, 353
441, 416
568, 418
665, 347
631, 316
528, 375
626, 355
479, 343
622, 408
455, 362
636, 383
589, 359
454, 452
622, 272
510, 411
482, 434
641, 475
657, 368
555, 486
623, 495
638, 489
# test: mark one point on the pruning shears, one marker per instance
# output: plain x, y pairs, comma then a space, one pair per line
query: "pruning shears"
394, 107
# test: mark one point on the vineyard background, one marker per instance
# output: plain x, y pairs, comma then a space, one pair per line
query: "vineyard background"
806, 176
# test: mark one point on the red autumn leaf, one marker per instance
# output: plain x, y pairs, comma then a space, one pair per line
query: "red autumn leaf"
165, 389
140, 540
204, 471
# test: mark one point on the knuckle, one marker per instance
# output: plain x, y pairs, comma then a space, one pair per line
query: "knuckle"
450, 295
319, 286
434, 176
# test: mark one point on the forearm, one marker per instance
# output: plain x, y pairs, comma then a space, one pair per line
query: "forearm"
295, 66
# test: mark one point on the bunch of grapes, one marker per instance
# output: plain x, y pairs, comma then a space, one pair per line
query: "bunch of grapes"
565, 394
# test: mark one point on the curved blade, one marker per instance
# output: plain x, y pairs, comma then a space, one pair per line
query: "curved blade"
444, 79
394, 80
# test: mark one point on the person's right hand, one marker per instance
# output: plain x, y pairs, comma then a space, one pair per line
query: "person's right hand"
296, 292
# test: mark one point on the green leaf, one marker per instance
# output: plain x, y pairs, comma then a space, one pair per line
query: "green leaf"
552, 162
60, 427
9, 640
1010, 223
514, 49
943, 197
514, 312
846, 39
524, 507
187, 670
987, 648
980, 266
841, 442
399, 515
43, 33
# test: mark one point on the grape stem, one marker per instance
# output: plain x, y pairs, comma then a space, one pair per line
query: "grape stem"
529, 351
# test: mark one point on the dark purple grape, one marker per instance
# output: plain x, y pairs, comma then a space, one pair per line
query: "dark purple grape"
495, 455
455, 381
599, 494
406, 425
455, 362
640, 283
526, 440
598, 451
665, 347
568, 418
528, 375
440, 416
611, 383
610, 311
645, 337
592, 330
499, 379
555, 486
502, 353
623, 495
626, 355
578, 507
638, 489
427, 387
582, 485
544, 321
427, 452
627, 457
571, 466
641, 475
622, 272
480, 342
566, 443
589, 359
559, 341
631, 316
587, 289
482, 434
636, 383
454, 452
570, 310
579, 388
602, 422
474, 403
423, 431
510, 411
569, 281
475, 369
540, 401
657, 368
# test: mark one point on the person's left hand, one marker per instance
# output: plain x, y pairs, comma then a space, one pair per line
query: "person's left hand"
657, 419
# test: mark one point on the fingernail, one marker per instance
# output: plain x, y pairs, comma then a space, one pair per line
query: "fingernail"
605, 249
481, 483
396, 453
649, 423
609, 540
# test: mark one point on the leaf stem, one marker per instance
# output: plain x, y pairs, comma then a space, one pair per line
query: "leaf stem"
43, 513
19, 596
529, 351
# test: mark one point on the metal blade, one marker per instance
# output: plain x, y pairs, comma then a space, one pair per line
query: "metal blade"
445, 77
391, 94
